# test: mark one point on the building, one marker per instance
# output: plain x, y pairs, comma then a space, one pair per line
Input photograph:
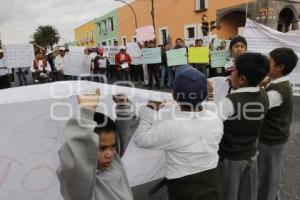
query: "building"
85, 35
107, 29
183, 18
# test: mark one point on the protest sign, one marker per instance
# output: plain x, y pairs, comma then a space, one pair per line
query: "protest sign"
207, 39
151, 55
264, 39
217, 44
135, 53
198, 55
218, 58
18, 55
177, 57
76, 62
145, 33
113, 51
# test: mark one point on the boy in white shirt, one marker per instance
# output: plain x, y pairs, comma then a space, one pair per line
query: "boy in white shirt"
190, 141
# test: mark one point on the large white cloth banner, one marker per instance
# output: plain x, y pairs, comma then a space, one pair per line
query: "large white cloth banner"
32, 122
263, 39
18, 55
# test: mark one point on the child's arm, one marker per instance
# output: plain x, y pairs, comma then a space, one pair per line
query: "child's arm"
151, 133
127, 120
78, 156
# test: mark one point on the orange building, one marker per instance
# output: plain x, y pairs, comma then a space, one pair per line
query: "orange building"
182, 18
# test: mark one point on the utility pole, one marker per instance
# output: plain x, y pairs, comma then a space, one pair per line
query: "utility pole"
153, 18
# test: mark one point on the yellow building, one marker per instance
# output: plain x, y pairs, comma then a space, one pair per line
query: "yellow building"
85, 35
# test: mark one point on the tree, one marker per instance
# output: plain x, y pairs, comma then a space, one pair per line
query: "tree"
46, 36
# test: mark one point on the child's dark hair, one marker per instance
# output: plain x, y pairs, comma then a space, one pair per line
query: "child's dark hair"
254, 66
104, 124
286, 58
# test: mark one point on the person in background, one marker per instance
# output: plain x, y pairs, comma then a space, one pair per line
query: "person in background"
99, 66
165, 69
201, 67
153, 70
51, 60
111, 70
123, 62
4, 77
60, 64
40, 68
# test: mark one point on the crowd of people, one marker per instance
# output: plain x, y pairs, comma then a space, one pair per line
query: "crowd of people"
48, 66
236, 153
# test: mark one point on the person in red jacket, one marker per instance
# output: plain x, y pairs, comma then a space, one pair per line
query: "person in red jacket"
123, 62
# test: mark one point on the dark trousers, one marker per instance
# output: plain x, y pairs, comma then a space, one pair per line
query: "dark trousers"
201, 186
270, 166
153, 73
123, 75
4, 82
22, 78
137, 73
239, 179
101, 72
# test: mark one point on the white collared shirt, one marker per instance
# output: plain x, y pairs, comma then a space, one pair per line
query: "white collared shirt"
3, 67
226, 108
190, 143
59, 63
275, 98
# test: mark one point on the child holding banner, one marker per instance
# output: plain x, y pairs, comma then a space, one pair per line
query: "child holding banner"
243, 112
275, 131
40, 68
189, 142
90, 168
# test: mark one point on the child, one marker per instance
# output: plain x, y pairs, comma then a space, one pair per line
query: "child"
189, 141
275, 130
243, 111
90, 169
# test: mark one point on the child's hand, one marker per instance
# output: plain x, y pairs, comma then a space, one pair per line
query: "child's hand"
156, 105
89, 101
210, 87
120, 99
265, 82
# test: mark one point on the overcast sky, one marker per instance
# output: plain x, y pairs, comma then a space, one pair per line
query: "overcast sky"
20, 18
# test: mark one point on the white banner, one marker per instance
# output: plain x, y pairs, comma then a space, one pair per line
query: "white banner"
263, 39
18, 55
76, 62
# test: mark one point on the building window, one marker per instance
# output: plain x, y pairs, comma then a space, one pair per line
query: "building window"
111, 21
109, 42
191, 32
134, 39
99, 26
124, 40
163, 35
201, 5
103, 27
103, 44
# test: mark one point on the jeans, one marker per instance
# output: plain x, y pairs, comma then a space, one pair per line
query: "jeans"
166, 70
22, 78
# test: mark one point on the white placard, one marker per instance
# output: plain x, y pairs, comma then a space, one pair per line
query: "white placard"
124, 66
76, 62
18, 55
